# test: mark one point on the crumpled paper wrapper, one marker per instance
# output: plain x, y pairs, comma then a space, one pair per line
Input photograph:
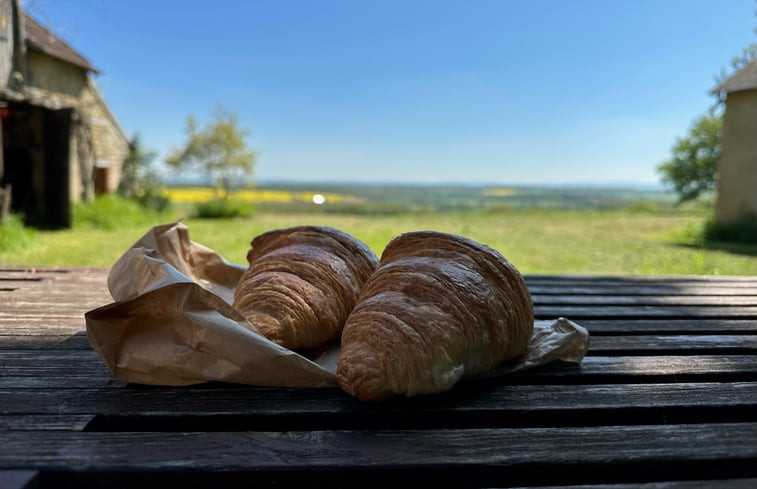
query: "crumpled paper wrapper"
172, 323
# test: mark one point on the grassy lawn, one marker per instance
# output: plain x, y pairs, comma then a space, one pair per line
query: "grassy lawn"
536, 241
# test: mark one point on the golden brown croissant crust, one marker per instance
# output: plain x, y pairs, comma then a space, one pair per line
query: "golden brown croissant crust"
438, 307
301, 283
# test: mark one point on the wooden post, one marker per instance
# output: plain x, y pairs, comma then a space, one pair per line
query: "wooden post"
18, 70
2, 148
5, 204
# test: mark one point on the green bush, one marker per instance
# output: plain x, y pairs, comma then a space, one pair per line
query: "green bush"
153, 200
13, 234
224, 208
113, 212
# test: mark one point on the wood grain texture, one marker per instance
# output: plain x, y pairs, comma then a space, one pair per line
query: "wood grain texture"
644, 300
673, 344
18, 479
469, 405
632, 280
471, 398
37, 422
643, 289
614, 326
86, 363
687, 484
61, 382
76, 341
671, 311
439, 457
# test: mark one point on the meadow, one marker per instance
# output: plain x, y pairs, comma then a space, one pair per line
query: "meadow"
573, 232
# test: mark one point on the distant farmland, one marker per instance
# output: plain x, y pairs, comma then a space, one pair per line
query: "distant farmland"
391, 199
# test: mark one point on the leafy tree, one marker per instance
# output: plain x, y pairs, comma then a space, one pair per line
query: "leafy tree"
692, 171
218, 150
139, 179
136, 172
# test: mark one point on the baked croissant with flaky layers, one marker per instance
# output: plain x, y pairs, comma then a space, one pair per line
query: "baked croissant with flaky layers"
301, 284
439, 307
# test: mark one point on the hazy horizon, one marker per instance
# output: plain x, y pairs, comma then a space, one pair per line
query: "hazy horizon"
202, 180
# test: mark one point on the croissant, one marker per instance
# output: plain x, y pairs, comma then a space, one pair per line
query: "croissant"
301, 284
438, 307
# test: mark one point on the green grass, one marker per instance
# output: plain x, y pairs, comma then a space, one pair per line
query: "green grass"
536, 241
13, 234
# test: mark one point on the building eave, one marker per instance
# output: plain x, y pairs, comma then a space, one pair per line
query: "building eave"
743, 79
40, 39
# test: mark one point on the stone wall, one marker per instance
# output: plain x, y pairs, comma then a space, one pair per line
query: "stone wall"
110, 144
737, 167
55, 78
95, 135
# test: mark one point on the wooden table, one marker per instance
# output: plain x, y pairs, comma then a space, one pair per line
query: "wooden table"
667, 395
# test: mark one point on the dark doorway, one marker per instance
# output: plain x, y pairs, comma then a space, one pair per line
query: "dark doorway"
57, 168
36, 163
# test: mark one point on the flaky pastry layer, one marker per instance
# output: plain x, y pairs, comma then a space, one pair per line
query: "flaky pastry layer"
439, 307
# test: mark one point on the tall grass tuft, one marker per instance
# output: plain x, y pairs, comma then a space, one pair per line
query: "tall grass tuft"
13, 234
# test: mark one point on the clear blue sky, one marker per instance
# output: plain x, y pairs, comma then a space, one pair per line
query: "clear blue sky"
510, 92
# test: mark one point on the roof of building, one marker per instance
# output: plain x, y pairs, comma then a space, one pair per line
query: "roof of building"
743, 79
41, 39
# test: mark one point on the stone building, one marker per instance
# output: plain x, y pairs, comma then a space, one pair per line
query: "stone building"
60, 141
737, 166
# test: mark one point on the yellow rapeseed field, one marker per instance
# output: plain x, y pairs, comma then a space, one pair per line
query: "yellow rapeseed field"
498, 192
196, 195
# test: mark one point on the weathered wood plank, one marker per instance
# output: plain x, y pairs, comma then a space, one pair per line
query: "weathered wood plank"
634, 369
56, 363
65, 326
23, 303
42, 323
441, 458
673, 344
52, 271
603, 326
235, 408
687, 484
19, 479
600, 345
669, 289
470, 397
664, 311
641, 279
36, 422
644, 300
45, 342
60, 382
86, 363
